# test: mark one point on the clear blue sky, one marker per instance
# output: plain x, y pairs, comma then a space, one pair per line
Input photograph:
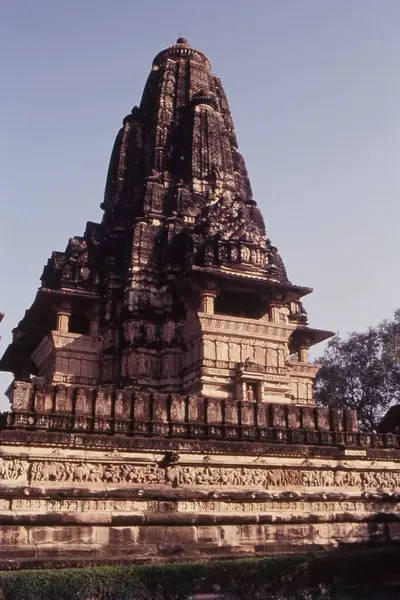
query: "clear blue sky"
314, 88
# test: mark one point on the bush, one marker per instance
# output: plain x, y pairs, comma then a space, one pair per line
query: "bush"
306, 577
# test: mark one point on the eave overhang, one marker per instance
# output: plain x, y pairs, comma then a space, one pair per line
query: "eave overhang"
307, 336
238, 280
36, 324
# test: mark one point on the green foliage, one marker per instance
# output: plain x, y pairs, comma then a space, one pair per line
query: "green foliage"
362, 372
304, 577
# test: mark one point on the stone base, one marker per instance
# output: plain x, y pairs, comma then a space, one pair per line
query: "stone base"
70, 500
72, 544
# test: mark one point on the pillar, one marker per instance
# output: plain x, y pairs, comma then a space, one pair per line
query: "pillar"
274, 312
63, 316
207, 301
303, 354
95, 322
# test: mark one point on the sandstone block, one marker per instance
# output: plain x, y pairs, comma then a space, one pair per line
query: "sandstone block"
13, 536
159, 535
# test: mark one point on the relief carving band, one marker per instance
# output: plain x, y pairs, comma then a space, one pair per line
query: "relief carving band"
13, 469
86, 472
195, 506
205, 476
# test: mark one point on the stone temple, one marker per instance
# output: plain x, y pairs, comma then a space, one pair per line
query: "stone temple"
162, 404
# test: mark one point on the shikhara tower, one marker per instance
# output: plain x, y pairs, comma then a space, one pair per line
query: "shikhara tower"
178, 290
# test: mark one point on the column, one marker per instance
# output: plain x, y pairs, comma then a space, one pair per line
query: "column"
274, 312
63, 316
207, 301
303, 354
95, 322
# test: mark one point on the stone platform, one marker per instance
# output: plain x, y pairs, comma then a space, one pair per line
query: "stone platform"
76, 498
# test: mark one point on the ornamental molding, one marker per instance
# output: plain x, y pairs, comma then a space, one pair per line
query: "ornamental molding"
195, 506
245, 327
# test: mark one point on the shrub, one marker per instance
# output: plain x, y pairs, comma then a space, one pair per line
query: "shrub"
299, 577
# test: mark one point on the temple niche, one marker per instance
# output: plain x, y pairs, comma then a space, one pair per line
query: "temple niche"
166, 350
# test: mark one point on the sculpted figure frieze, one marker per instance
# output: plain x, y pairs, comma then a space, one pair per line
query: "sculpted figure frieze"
230, 477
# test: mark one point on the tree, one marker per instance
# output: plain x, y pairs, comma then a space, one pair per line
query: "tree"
362, 372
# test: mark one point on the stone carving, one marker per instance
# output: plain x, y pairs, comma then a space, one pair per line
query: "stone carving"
254, 476
21, 391
280, 506
95, 472
131, 330
168, 365
150, 332
168, 332
292, 477
251, 392
13, 469
196, 506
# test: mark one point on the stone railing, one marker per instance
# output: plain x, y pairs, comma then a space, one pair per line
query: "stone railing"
127, 412
239, 252
201, 431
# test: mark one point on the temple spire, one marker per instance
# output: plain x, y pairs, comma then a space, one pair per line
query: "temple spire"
177, 155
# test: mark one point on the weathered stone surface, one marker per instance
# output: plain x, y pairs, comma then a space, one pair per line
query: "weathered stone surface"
13, 536
162, 535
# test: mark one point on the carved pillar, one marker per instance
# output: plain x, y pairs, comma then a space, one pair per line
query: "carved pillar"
274, 312
63, 316
207, 301
303, 354
95, 322
303, 345
19, 393
350, 420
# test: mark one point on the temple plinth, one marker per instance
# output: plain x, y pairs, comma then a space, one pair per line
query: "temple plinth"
162, 386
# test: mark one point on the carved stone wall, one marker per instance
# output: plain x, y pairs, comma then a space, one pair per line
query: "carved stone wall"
75, 505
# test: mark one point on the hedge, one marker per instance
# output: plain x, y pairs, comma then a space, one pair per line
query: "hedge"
290, 577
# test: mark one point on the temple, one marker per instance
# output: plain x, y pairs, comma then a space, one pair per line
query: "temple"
162, 400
